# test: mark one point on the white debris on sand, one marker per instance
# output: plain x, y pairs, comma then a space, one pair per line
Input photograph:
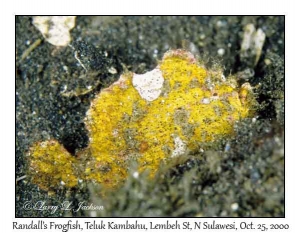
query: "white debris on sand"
55, 29
253, 42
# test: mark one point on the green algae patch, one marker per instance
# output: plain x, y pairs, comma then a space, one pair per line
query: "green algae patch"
150, 118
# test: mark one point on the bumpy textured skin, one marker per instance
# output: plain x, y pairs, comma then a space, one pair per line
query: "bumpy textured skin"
51, 165
195, 106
